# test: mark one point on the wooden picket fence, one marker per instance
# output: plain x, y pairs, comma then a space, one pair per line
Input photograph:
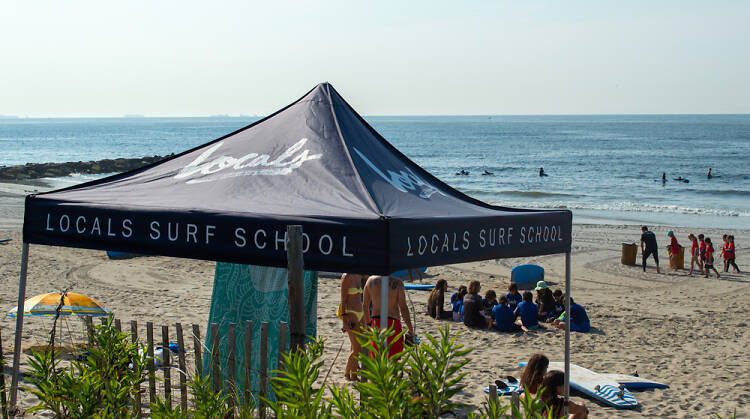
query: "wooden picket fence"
219, 381
3, 388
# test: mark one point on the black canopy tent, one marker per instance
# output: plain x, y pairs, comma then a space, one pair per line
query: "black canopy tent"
364, 207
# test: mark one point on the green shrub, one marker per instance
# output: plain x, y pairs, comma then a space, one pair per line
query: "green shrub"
419, 382
100, 384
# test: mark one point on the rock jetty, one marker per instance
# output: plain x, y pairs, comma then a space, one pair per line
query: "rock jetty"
30, 171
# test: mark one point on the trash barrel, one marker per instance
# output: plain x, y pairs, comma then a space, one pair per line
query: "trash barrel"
629, 252
678, 259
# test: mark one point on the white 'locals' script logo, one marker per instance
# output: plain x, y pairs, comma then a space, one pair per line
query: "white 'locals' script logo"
404, 181
248, 165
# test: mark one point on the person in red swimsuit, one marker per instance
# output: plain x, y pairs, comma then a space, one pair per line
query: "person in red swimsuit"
397, 309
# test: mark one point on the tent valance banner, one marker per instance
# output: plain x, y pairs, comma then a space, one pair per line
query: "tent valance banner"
364, 207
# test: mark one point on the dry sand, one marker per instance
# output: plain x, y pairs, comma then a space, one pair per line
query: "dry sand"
687, 331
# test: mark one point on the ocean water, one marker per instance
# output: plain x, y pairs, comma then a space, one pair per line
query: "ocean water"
607, 169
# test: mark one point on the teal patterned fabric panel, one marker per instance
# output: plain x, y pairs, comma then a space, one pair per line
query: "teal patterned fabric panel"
259, 294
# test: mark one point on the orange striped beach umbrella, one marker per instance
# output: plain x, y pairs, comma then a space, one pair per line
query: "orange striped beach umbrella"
73, 304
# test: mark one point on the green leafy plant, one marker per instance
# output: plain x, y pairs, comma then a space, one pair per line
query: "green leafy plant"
419, 382
102, 383
435, 372
734, 415
294, 386
386, 391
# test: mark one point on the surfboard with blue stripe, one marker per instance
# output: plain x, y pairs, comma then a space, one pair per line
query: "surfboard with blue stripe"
597, 386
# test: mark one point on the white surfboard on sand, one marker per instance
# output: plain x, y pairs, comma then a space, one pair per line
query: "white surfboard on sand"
597, 386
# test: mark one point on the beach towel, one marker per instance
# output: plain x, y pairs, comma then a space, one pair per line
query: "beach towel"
260, 294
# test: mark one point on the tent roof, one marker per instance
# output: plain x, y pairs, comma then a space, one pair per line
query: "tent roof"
363, 205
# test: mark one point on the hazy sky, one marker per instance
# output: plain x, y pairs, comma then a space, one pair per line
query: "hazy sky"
185, 58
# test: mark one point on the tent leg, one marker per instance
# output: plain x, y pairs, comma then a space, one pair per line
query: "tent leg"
567, 331
296, 286
19, 325
384, 302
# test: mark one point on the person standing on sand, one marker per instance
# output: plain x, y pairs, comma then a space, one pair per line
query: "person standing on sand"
694, 254
702, 250
730, 254
723, 251
710, 258
351, 313
672, 248
397, 309
649, 247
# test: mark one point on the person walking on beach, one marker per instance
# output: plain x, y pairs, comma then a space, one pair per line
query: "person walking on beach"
672, 248
710, 258
397, 310
702, 250
695, 257
649, 247
351, 313
723, 251
730, 254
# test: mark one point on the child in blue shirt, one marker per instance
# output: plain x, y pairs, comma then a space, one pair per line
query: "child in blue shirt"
489, 301
513, 296
527, 310
503, 317
579, 320
458, 296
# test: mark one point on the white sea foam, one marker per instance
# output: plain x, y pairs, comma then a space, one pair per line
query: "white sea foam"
627, 206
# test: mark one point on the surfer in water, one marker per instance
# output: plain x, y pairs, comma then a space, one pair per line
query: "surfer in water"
710, 176
663, 177
541, 172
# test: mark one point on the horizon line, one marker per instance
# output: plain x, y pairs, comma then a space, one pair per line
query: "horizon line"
9, 117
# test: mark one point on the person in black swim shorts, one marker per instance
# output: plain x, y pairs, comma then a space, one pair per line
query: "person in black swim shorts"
649, 247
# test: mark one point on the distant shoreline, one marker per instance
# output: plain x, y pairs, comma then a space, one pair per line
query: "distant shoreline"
36, 171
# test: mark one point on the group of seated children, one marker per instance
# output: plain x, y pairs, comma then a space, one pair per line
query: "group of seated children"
475, 311
535, 377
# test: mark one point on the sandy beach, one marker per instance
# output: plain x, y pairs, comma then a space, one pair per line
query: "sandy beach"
686, 331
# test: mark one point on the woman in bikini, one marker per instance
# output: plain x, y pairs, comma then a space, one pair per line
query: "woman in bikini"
350, 312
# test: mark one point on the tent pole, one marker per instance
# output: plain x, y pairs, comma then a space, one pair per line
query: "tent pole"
567, 330
296, 286
384, 302
19, 325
